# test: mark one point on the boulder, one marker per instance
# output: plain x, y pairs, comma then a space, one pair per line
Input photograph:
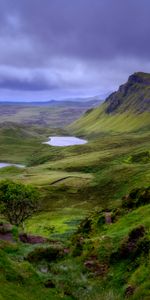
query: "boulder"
32, 239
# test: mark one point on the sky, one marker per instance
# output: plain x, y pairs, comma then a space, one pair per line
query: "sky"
56, 49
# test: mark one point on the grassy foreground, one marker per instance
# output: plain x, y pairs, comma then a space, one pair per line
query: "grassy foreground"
104, 260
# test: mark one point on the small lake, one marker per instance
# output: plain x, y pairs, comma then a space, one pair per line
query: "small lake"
64, 141
3, 165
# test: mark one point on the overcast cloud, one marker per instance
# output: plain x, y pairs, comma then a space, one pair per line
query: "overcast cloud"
68, 48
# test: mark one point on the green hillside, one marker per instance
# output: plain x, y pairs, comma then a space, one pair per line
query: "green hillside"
94, 205
123, 111
21, 143
107, 258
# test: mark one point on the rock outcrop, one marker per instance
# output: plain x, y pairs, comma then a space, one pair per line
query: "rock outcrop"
131, 96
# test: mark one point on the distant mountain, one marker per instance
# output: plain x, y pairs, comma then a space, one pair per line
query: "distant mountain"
93, 101
128, 109
51, 113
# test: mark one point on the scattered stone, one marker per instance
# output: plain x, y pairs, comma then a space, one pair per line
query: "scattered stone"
5, 228
131, 245
66, 250
6, 237
97, 268
129, 291
6, 232
136, 198
137, 232
49, 254
32, 239
44, 269
108, 219
49, 284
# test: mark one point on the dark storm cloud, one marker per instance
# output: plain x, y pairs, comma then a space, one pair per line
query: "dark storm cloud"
88, 28
80, 37
35, 83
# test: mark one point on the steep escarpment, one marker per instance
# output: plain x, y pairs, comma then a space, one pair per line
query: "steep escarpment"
131, 96
126, 110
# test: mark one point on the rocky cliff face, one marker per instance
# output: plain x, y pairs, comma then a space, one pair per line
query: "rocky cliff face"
131, 96
126, 110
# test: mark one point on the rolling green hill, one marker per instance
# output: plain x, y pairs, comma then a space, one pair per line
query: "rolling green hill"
95, 204
126, 110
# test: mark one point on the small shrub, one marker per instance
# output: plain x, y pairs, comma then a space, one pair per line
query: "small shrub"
130, 244
116, 214
101, 219
85, 226
89, 111
136, 233
49, 254
78, 242
136, 198
142, 157
135, 244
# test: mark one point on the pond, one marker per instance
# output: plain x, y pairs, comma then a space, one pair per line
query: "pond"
64, 141
3, 165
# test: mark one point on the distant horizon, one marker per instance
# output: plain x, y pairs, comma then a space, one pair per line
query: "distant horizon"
77, 98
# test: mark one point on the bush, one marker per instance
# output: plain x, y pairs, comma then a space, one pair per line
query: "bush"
132, 246
142, 157
49, 254
136, 198
17, 201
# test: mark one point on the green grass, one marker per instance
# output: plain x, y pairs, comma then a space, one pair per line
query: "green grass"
56, 224
100, 244
19, 281
97, 174
126, 110
98, 122
73, 181
22, 143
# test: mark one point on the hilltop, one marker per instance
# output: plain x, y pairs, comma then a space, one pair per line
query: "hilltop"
132, 96
125, 110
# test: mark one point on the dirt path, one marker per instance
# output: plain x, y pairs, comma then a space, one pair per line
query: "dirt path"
64, 178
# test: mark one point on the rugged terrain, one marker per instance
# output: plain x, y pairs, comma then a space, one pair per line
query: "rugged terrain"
95, 202
51, 113
126, 110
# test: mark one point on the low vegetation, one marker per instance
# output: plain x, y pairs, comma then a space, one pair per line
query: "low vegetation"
17, 201
90, 239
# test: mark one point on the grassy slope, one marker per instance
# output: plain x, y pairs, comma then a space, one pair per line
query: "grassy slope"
21, 143
19, 281
126, 110
98, 247
95, 174
99, 172
98, 122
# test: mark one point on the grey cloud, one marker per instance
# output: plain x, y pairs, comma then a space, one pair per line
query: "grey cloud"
34, 83
57, 34
90, 29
